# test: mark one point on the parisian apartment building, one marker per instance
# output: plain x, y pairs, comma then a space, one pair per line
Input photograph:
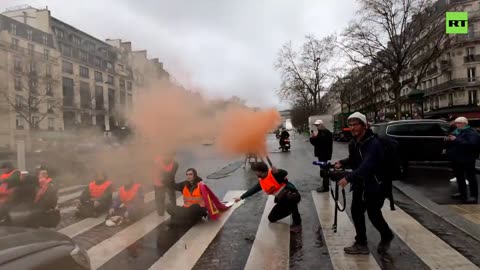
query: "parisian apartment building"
451, 87
57, 79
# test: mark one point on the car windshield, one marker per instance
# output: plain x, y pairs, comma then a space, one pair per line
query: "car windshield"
375, 129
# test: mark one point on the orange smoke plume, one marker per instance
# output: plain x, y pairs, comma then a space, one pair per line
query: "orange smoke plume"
244, 131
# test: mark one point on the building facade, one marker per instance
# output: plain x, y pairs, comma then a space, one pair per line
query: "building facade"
449, 89
94, 80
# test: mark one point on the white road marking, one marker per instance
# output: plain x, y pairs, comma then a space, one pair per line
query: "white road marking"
188, 249
271, 248
103, 252
432, 250
62, 190
88, 223
345, 236
69, 197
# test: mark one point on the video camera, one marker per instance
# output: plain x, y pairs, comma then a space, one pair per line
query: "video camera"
332, 173
335, 176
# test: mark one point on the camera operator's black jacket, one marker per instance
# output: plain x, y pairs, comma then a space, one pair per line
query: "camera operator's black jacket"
366, 160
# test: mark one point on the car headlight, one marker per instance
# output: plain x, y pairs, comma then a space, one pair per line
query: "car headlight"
80, 256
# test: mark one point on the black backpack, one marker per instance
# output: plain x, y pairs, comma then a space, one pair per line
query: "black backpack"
392, 167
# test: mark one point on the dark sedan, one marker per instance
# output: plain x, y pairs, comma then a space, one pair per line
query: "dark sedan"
419, 140
39, 249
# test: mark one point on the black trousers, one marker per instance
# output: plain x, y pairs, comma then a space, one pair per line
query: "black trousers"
323, 175
160, 197
87, 210
285, 206
372, 204
44, 218
462, 170
185, 216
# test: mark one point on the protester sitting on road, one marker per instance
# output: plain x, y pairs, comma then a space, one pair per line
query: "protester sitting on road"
275, 182
44, 211
323, 148
463, 147
9, 181
96, 198
130, 202
366, 159
193, 209
166, 169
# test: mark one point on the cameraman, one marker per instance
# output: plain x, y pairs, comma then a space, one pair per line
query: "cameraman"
365, 159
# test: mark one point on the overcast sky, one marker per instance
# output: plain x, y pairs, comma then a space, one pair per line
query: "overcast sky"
226, 47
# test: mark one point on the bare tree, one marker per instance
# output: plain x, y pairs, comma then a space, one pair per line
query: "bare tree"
305, 71
33, 97
399, 39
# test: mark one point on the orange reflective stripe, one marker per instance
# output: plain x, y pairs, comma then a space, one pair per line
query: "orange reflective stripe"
128, 195
5, 192
195, 197
7, 175
270, 185
163, 168
96, 191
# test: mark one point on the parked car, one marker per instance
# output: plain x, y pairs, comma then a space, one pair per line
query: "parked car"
419, 140
39, 249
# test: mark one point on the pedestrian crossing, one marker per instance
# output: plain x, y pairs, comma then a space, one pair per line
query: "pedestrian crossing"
271, 245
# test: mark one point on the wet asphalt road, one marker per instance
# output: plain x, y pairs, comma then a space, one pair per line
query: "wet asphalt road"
231, 247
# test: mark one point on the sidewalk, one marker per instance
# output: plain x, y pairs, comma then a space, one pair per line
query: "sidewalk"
431, 188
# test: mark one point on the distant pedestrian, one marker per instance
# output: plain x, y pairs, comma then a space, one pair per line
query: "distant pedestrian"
463, 147
322, 142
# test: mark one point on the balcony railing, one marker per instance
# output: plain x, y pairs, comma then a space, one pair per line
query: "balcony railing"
464, 82
468, 37
25, 51
471, 58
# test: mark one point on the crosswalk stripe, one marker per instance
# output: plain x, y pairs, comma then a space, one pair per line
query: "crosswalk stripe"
67, 189
432, 250
188, 249
345, 236
110, 247
68, 197
88, 223
271, 247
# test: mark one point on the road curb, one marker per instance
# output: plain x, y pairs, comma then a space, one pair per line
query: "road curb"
442, 211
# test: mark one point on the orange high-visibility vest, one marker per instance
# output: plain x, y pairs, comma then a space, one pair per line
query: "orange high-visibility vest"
7, 175
5, 191
128, 195
96, 191
195, 197
43, 188
270, 185
164, 168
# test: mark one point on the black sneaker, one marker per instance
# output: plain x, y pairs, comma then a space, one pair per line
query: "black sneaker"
457, 196
384, 245
321, 190
357, 249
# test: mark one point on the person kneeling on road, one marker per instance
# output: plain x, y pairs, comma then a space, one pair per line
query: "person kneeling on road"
275, 182
44, 210
366, 159
9, 183
96, 198
130, 202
